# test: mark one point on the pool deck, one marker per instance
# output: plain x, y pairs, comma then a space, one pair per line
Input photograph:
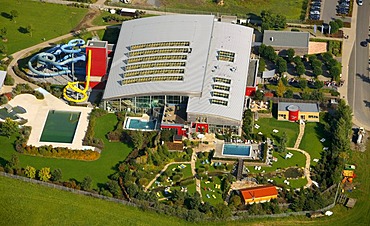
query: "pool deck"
37, 112
253, 152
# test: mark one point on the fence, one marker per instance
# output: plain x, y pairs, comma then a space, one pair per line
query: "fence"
75, 191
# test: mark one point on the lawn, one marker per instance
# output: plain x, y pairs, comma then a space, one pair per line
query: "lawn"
210, 193
296, 183
298, 159
29, 204
313, 133
291, 9
98, 170
47, 21
269, 124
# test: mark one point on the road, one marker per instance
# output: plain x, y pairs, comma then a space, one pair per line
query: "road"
358, 74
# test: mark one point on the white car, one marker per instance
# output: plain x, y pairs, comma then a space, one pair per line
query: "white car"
359, 2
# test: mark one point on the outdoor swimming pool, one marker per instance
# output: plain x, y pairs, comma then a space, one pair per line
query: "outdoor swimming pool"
138, 124
60, 126
239, 150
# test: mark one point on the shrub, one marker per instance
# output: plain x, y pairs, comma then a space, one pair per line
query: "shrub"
3, 99
9, 80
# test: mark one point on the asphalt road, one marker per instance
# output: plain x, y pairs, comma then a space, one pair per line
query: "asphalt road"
358, 76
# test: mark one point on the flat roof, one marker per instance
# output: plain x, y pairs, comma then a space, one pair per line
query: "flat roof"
172, 28
238, 40
286, 38
97, 43
304, 107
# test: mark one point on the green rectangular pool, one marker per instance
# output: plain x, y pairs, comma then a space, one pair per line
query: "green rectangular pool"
60, 126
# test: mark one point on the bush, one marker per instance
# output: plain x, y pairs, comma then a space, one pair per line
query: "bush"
9, 80
3, 99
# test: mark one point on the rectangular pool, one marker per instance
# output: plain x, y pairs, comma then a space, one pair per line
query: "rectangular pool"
138, 124
239, 150
60, 126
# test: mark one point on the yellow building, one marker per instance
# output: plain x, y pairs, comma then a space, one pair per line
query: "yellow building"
309, 112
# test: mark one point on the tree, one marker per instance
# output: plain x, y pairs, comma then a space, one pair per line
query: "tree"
261, 65
335, 73
30, 172
300, 68
258, 95
13, 14
290, 54
56, 175
29, 29
281, 65
297, 60
317, 95
280, 89
272, 21
261, 49
221, 211
319, 84
317, 71
334, 27
137, 139
8, 128
316, 63
339, 22
3, 32
132, 189
114, 188
14, 161
9, 80
3, 48
86, 183
302, 83
282, 143
327, 56
288, 94
236, 201
306, 95
44, 174
270, 53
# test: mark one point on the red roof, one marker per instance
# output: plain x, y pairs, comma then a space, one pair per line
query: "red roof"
258, 192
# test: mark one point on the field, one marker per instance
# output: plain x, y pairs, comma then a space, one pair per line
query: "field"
311, 143
98, 170
268, 124
47, 21
29, 204
291, 9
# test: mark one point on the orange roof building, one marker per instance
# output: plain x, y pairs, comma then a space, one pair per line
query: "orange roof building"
259, 194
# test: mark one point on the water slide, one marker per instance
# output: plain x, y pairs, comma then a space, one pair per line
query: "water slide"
49, 59
73, 86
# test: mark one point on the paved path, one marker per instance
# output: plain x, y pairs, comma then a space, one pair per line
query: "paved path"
162, 171
197, 181
300, 135
307, 173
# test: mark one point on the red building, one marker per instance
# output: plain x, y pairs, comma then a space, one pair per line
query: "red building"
99, 62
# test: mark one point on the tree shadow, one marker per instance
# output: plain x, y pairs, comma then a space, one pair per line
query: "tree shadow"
3, 161
363, 77
6, 15
23, 30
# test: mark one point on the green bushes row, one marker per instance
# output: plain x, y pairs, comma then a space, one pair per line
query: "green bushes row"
89, 138
25, 88
61, 152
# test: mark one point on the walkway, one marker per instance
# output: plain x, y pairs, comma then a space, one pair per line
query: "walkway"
307, 173
162, 171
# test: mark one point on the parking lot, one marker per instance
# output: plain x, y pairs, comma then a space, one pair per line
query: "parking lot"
330, 9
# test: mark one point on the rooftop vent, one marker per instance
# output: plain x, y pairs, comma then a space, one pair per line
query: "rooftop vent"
272, 39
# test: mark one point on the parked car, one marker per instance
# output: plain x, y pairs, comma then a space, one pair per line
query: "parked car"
359, 2
363, 43
315, 12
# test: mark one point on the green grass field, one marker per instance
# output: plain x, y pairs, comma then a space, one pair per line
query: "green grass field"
291, 9
98, 170
313, 133
47, 20
269, 124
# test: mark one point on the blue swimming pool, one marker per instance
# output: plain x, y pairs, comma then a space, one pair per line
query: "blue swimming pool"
237, 150
140, 125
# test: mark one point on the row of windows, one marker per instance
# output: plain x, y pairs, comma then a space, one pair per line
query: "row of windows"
221, 87
155, 65
153, 72
157, 58
222, 80
226, 56
219, 102
159, 44
158, 51
313, 116
219, 94
152, 79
